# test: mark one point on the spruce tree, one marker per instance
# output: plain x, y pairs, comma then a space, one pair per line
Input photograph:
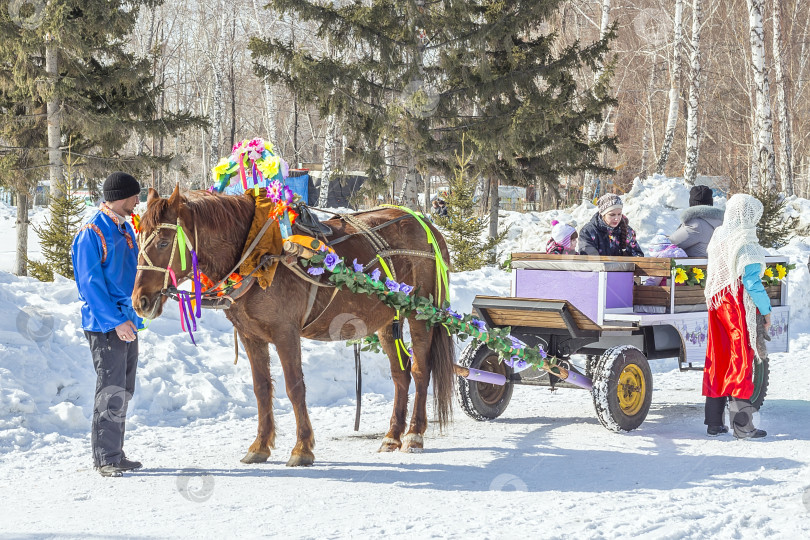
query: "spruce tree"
462, 228
774, 229
56, 235
105, 93
418, 75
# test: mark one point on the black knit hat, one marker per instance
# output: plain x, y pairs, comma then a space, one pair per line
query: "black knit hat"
120, 185
701, 195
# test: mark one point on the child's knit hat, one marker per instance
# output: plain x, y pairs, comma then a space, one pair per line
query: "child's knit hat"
561, 233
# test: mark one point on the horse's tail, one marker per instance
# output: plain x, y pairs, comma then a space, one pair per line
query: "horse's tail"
442, 355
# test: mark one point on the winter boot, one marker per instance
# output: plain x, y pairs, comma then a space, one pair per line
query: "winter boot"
714, 431
129, 465
111, 470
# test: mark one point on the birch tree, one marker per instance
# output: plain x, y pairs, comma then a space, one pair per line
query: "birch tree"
328, 150
692, 140
269, 108
218, 68
782, 112
674, 90
589, 187
763, 129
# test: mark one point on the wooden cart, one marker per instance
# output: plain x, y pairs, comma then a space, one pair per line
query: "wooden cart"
604, 309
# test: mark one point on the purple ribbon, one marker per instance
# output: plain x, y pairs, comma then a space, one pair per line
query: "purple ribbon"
197, 284
185, 310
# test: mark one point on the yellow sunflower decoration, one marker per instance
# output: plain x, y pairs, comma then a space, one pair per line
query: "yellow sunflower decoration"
781, 272
698, 273
680, 276
769, 272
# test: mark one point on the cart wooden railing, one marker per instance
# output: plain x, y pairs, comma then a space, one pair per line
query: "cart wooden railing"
656, 298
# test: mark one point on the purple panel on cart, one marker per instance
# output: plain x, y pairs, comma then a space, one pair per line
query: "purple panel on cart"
619, 292
579, 288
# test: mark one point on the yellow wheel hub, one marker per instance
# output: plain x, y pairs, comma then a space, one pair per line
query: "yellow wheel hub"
631, 389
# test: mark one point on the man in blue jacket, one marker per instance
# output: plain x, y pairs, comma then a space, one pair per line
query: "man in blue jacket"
105, 257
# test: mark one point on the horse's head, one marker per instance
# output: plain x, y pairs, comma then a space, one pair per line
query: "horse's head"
160, 248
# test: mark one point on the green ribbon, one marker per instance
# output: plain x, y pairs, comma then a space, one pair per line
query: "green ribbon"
181, 243
441, 266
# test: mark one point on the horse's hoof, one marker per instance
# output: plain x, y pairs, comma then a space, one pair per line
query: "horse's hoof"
412, 443
301, 460
255, 457
389, 445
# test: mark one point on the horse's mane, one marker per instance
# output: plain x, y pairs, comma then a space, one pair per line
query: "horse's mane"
225, 212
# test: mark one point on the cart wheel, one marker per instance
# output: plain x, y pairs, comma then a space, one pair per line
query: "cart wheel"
483, 401
622, 388
762, 372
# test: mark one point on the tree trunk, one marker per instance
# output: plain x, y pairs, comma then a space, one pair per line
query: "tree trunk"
674, 90
588, 188
692, 140
21, 266
765, 162
494, 205
782, 112
428, 181
269, 116
54, 121
219, 72
328, 150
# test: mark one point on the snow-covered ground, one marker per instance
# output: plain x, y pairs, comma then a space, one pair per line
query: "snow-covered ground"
546, 468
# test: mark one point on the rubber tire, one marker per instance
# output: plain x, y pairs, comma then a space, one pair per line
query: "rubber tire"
606, 373
470, 392
762, 375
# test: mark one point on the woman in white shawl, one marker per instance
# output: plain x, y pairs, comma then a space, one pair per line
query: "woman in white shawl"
734, 292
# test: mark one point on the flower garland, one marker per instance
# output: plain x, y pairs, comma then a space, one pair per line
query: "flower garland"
692, 275
399, 296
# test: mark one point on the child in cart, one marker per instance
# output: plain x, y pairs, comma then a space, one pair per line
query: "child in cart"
563, 239
662, 247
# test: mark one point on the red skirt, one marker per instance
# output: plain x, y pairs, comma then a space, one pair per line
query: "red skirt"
729, 357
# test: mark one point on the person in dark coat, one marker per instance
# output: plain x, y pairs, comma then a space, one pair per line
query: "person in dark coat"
698, 223
608, 232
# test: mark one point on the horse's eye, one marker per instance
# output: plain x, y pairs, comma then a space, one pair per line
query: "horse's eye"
162, 244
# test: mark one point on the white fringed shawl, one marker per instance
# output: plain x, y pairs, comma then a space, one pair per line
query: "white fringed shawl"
734, 246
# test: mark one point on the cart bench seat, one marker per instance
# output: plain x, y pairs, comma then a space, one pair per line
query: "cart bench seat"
498, 311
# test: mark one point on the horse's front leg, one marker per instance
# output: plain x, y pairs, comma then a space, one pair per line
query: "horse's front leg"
259, 356
288, 346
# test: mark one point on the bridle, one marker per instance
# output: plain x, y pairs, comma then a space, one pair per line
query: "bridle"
184, 243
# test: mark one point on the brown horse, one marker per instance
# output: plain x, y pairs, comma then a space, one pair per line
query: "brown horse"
220, 223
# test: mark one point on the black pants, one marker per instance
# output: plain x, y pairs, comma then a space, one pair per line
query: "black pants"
115, 362
715, 410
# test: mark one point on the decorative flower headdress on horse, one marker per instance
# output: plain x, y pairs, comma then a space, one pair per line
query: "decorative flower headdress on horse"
254, 164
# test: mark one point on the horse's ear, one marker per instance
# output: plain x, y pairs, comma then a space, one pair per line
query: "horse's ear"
153, 196
176, 198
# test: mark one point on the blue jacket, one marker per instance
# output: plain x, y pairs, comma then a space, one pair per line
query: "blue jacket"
105, 257
752, 282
